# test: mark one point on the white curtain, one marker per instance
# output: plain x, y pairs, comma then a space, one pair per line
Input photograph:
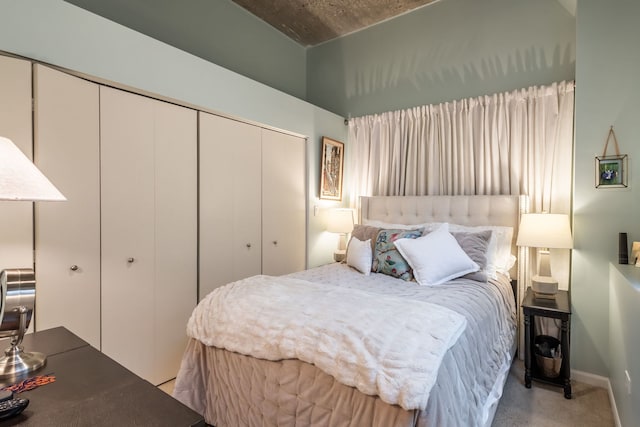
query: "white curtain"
516, 142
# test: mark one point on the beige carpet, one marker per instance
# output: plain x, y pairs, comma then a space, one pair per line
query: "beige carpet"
545, 406
168, 386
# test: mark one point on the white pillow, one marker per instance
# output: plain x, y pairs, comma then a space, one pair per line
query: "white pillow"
359, 255
436, 257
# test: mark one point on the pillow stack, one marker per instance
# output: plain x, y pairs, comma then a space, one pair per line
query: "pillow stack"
433, 253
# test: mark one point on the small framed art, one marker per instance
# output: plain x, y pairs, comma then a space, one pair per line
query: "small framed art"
332, 162
611, 171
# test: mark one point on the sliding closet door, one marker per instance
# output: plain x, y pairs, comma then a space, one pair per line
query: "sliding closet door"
16, 226
283, 203
230, 201
149, 220
67, 151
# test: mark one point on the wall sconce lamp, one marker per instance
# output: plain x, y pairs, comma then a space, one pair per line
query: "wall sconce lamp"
341, 222
544, 231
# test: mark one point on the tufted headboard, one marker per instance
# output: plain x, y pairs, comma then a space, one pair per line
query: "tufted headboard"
463, 210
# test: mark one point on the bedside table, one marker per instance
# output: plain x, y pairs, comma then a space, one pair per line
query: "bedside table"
558, 308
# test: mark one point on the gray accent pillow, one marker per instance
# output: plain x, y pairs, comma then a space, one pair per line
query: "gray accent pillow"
476, 246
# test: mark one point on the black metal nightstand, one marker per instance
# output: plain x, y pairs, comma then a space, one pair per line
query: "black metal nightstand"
558, 308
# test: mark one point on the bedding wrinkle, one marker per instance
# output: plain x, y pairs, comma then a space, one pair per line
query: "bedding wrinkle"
378, 344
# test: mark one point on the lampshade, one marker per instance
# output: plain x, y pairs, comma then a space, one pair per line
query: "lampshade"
340, 221
20, 179
544, 230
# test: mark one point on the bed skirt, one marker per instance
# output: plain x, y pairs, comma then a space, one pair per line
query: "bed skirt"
216, 383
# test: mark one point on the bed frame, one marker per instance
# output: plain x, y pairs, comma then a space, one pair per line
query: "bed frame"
195, 386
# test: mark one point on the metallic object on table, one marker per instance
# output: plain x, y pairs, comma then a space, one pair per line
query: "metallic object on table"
17, 302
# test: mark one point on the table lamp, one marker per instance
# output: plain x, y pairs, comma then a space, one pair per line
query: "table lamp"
544, 231
341, 222
20, 180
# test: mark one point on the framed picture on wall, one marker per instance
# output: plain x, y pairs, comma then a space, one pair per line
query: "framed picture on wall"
332, 162
611, 171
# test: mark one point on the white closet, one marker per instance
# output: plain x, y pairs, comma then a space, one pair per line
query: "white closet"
67, 151
149, 230
117, 263
252, 202
16, 225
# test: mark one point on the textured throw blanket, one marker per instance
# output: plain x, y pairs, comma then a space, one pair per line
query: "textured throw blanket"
382, 345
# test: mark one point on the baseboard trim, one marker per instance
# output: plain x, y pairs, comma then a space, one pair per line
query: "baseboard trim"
602, 382
591, 379
614, 408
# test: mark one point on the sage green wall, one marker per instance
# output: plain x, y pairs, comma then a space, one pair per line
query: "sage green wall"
449, 50
607, 93
58, 33
223, 33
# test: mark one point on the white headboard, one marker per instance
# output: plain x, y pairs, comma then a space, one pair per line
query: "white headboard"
463, 210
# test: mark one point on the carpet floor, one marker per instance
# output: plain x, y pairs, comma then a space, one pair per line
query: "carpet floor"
545, 406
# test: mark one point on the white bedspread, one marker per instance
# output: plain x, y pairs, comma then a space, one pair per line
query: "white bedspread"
376, 343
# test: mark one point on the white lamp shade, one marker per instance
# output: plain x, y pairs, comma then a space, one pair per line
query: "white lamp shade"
340, 221
543, 230
20, 179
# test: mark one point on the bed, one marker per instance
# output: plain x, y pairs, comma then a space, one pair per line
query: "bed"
233, 376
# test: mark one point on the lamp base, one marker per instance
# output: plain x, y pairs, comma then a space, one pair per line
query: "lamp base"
17, 362
340, 255
545, 287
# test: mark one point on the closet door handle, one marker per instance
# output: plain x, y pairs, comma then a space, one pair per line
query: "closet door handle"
275, 243
131, 260
248, 245
74, 268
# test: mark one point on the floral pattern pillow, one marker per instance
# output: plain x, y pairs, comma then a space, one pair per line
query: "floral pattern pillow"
387, 259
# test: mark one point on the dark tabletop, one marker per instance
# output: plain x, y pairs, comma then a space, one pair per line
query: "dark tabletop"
92, 390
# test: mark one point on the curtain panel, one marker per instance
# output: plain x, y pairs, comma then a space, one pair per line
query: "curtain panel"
518, 142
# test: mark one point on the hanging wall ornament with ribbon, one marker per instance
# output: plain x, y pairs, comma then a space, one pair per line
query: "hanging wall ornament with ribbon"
611, 170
